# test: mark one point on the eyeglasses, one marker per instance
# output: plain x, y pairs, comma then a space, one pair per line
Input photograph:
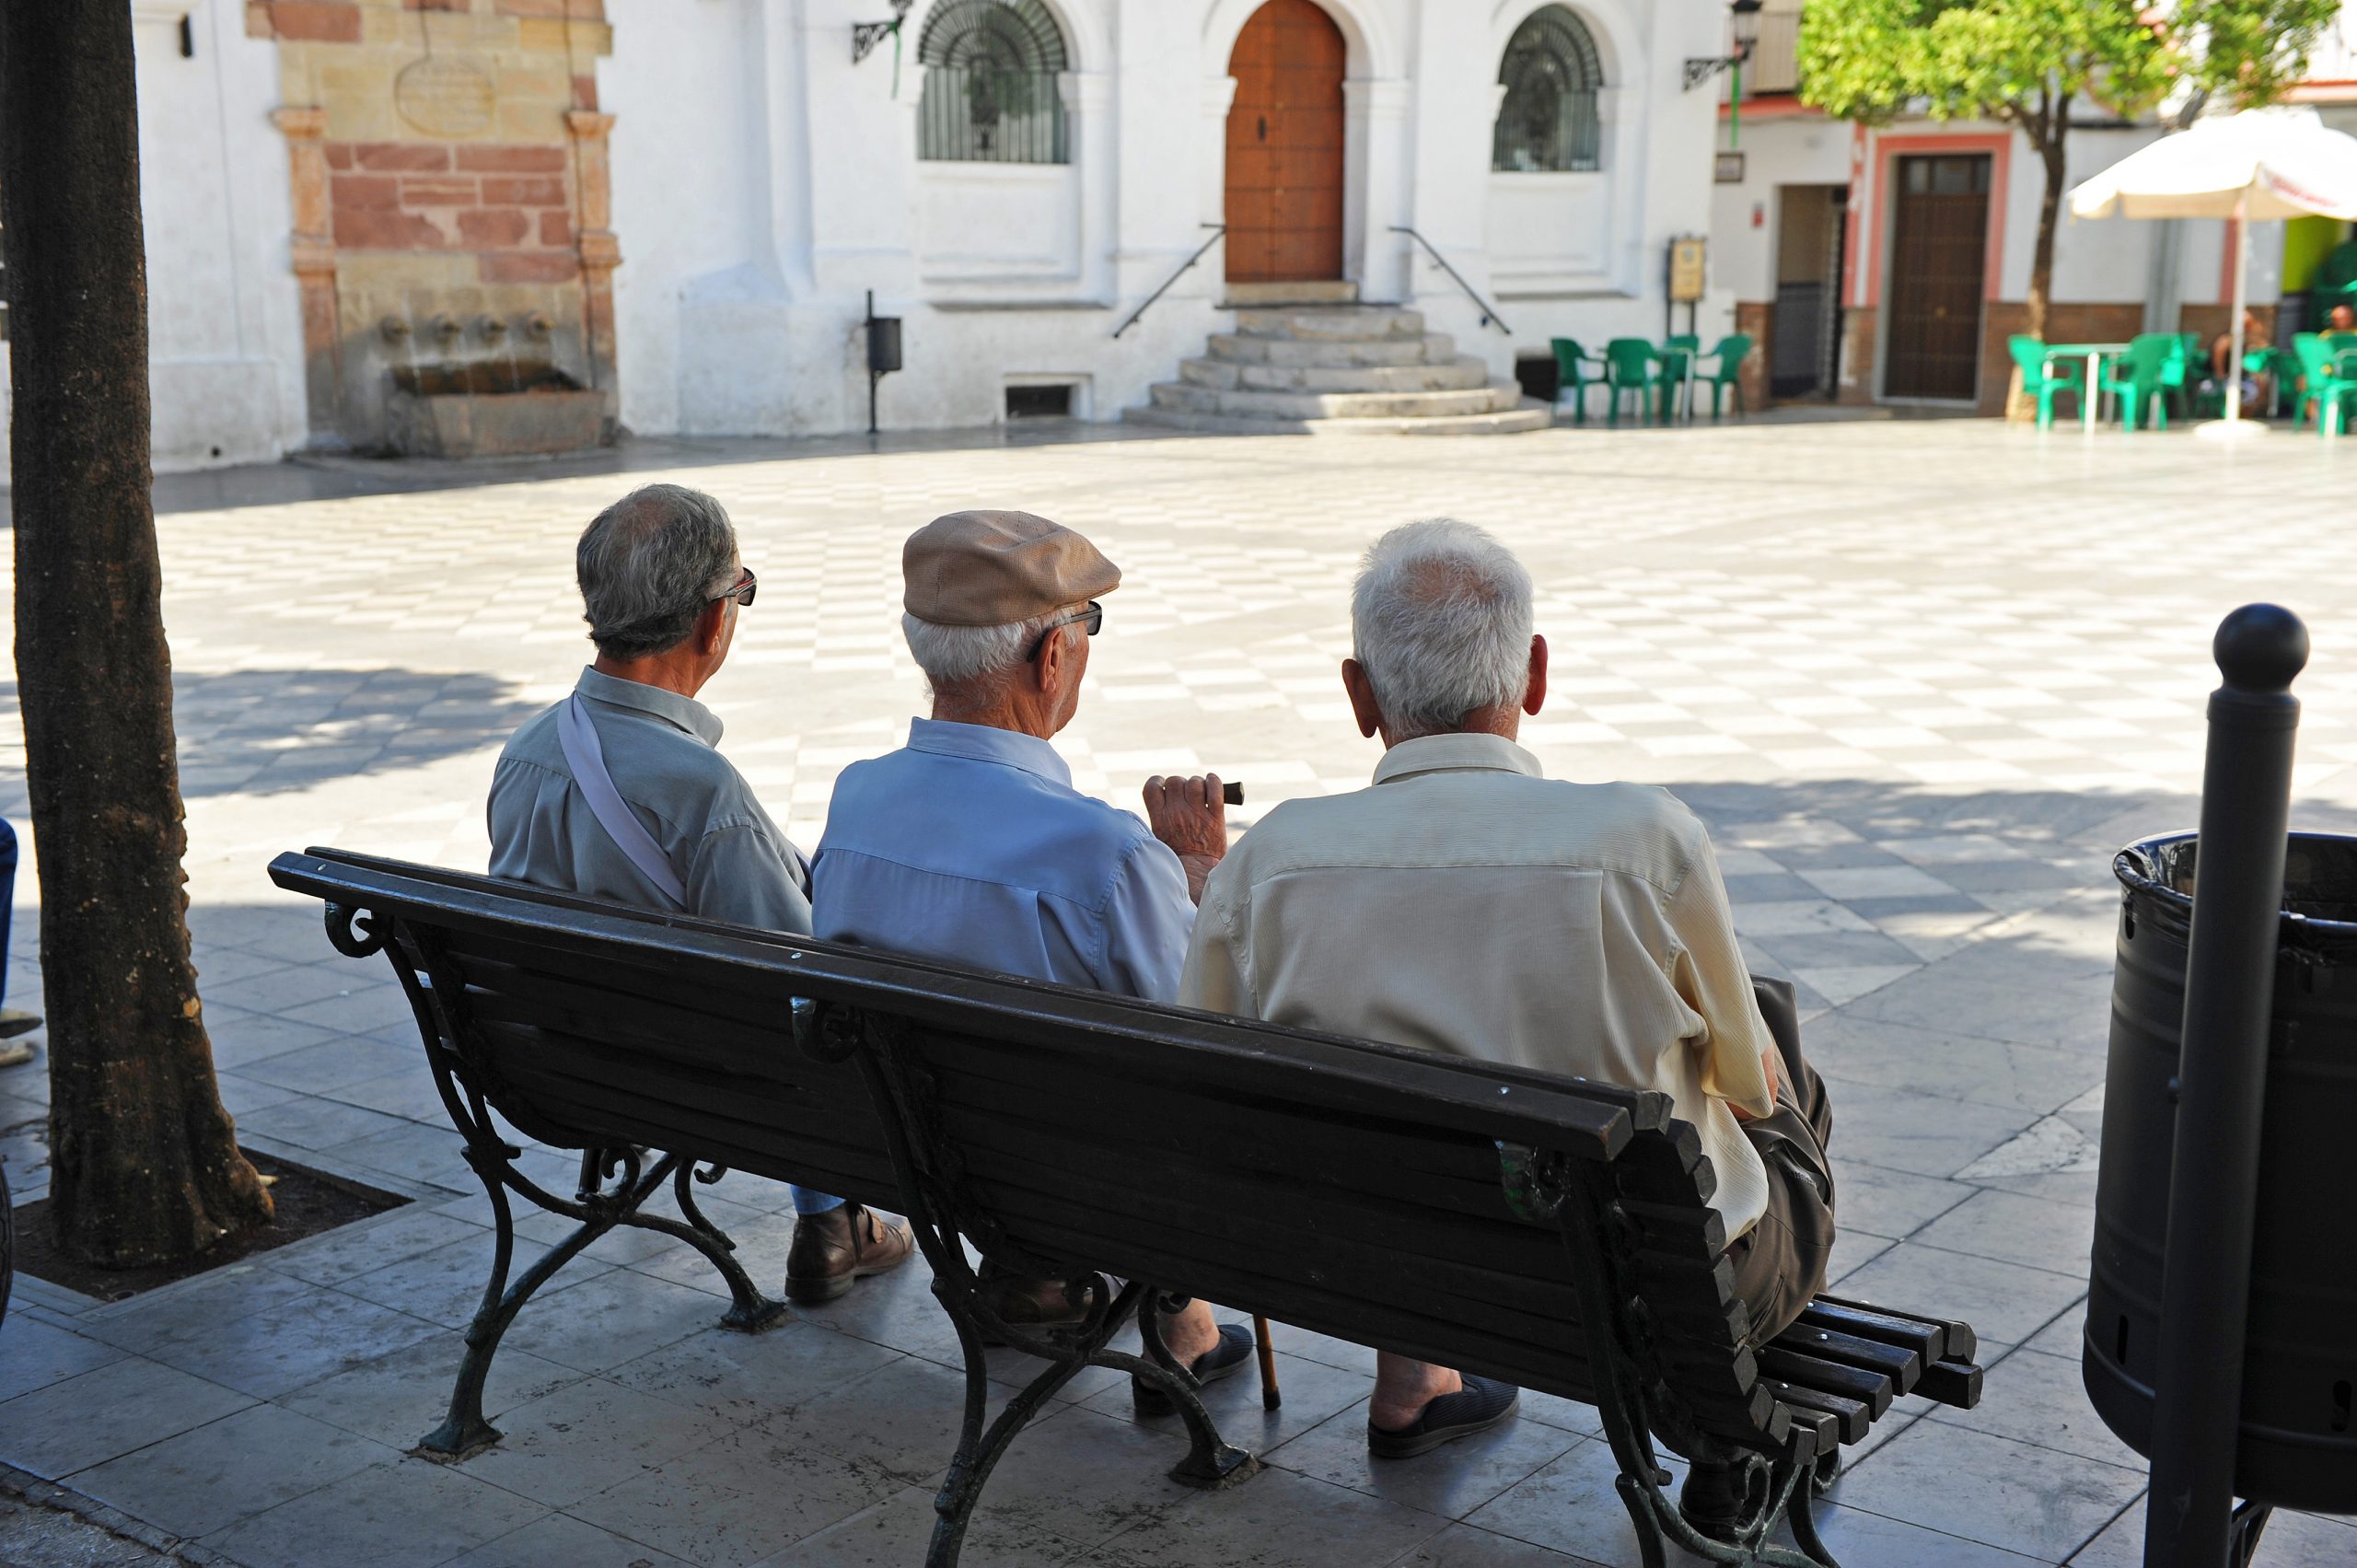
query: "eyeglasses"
1093, 618
743, 592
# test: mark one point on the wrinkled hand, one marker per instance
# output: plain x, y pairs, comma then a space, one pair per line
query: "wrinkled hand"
1188, 815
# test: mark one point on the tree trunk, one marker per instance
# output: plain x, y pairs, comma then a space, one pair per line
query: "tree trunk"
2049, 212
144, 1164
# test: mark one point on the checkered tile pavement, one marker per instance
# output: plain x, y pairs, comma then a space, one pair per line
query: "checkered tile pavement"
1921, 679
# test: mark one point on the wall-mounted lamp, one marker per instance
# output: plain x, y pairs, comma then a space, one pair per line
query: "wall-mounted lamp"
1744, 22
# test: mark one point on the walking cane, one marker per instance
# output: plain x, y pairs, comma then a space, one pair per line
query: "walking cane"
1269, 1397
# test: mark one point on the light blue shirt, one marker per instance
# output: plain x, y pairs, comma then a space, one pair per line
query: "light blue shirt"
971, 845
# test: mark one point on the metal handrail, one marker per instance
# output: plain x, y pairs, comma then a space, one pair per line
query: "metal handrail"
1219, 232
1490, 317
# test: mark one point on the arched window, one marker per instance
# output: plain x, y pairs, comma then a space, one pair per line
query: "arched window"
1551, 77
989, 83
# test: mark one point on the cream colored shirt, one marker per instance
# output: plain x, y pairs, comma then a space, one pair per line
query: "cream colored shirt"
1467, 904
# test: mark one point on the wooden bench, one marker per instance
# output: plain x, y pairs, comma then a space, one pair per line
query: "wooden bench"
1550, 1231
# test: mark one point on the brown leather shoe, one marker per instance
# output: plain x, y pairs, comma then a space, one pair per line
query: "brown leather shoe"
831, 1250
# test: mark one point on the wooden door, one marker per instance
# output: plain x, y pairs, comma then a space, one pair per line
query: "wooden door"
1938, 252
1284, 146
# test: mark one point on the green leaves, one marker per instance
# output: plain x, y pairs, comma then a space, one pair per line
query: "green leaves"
2024, 60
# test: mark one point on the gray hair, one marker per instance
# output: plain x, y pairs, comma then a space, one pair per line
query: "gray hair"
1441, 620
649, 564
956, 657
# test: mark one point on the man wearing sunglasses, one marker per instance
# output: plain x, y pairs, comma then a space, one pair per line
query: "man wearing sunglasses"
618, 791
969, 843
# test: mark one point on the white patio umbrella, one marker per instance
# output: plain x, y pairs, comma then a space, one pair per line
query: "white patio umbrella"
2257, 165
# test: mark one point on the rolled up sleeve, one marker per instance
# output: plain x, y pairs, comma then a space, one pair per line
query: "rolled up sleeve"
1712, 978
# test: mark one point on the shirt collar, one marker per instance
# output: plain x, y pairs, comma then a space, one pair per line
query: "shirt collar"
680, 713
1455, 754
985, 743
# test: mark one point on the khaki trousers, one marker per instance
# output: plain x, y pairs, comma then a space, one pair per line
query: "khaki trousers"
1780, 1263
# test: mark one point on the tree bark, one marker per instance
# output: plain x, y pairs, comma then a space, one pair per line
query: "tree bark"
2049, 143
144, 1164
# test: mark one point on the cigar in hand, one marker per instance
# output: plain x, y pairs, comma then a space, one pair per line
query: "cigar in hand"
1232, 792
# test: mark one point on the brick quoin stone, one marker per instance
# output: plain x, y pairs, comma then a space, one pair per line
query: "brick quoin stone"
339, 154
323, 22
364, 190
367, 228
409, 156
513, 159
511, 191
556, 228
527, 266
584, 92
580, 10
486, 226
438, 194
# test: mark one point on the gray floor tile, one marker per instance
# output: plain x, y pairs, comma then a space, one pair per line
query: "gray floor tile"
444, 1285
116, 1409
33, 1355
1882, 1201
277, 991
1869, 1539
1572, 1507
901, 1419
428, 1152
372, 1244
405, 1091
1924, 1134
588, 1436
362, 1012
2004, 1301
2038, 1501
1452, 1481
300, 1342
242, 1040
2038, 1398
2055, 1236
1085, 1476
754, 1378
406, 1514
609, 1318
2291, 1541
310, 1122
558, 1541
1275, 1520
316, 1069
2000, 1073
1462, 1546
237, 1467
1313, 1392
739, 1500
398, 1398
896, 1531
2008, 987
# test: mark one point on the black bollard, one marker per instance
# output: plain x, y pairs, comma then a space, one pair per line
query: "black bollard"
2222, 1085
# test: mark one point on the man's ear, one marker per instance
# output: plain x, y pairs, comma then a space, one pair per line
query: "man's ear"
712, 624
1535, 696
1364, 706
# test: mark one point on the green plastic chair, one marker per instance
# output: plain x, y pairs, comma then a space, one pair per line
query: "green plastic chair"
2178, 376
2321, 379
2042, 377
1678, 351
1572, 373
1629, 366
1731, 352
2138, 377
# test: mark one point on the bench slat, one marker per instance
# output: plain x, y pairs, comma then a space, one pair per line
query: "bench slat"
1870, 1388
1852, 1417
1904, 1367
1953, 1383
1927, 1340
1958, 1341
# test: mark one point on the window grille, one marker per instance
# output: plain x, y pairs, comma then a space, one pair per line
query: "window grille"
1548, 122
990, 94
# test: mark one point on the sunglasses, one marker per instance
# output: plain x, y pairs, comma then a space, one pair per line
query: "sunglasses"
1092, 617
743, 592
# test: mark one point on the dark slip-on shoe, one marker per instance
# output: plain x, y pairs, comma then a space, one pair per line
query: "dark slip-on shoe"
1479, 1406
1222, 1360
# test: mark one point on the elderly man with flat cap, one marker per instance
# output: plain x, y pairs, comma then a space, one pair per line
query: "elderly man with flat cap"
969, 843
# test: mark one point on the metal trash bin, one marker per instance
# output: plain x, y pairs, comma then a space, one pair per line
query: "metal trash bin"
2298, 1443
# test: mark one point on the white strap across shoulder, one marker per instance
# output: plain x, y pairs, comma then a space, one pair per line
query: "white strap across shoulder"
587, 760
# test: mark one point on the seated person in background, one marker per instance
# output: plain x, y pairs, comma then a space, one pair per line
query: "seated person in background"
1467, 904
2342, 319
969, 843
2222, 356
618, 792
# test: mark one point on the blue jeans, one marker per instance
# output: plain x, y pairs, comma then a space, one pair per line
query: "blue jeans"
7, 895
809, 1202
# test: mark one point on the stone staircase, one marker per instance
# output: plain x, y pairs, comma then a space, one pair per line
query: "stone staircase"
1311, 359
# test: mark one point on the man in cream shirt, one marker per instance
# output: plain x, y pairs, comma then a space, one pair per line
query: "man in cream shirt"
1467, 904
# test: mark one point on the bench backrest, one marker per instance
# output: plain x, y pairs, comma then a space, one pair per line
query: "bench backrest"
1466, 1212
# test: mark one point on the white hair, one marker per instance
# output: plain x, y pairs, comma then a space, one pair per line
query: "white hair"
1441, 620
955, 657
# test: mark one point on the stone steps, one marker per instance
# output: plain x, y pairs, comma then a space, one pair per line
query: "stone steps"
1335, 366
1531, 415
1456, 375
1434, 348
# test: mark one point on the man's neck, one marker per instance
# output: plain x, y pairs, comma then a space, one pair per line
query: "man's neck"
668, 671
995, 715
1504, 722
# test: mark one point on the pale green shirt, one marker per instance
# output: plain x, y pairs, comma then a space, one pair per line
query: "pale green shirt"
1467, 904
659, 748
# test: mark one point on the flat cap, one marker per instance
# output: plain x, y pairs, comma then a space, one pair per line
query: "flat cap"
999, 568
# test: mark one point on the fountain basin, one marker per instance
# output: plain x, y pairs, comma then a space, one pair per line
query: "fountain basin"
490, 409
